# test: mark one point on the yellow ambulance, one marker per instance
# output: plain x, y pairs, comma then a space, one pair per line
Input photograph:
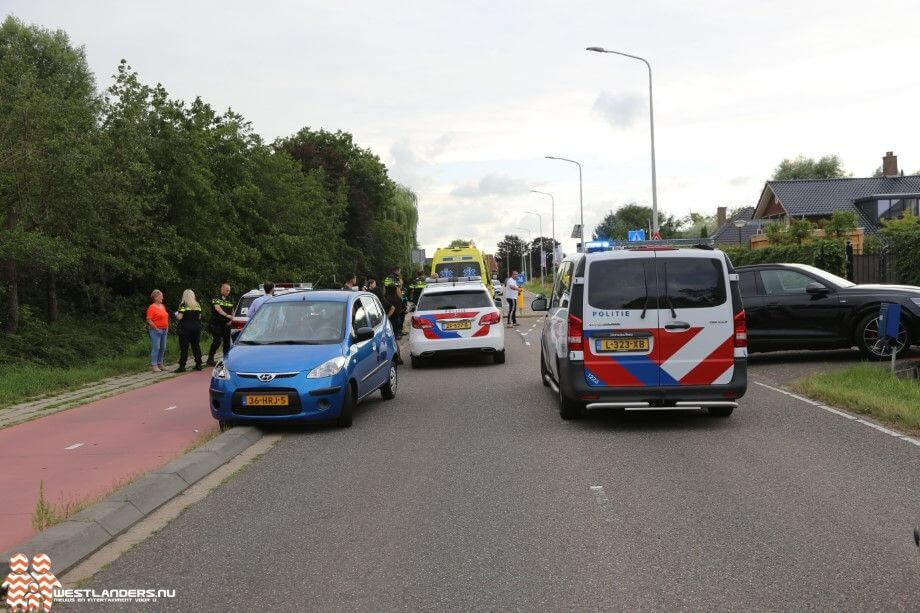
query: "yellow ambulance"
461, 262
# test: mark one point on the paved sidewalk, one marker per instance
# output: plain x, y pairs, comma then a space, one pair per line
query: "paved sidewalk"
86, 451
41, 407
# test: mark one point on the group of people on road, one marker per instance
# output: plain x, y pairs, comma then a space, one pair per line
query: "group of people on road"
394, 295
190, 322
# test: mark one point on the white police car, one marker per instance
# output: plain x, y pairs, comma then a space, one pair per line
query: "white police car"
241, 311
455, 316
646, 328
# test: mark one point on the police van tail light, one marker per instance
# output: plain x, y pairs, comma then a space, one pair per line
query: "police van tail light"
741, 329
420, 323
490, 319
574, 333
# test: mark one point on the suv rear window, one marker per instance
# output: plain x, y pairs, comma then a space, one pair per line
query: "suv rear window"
468, 299
621, 284
694, 283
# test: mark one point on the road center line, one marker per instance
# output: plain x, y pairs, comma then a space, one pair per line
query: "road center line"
74, 446
600, 496
169, 408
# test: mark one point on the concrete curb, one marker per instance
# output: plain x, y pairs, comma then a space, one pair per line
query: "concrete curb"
75, 539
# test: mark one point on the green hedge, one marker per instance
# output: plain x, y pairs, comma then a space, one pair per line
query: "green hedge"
905, 249
826, 254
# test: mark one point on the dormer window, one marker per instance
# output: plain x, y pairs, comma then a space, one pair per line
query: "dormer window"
888, 208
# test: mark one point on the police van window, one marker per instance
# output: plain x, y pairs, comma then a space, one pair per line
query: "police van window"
461, 299
621, 284
694, 283
748, 284
359, 316
373, 310
563, 283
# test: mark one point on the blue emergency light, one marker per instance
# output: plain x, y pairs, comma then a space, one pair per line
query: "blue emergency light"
598, 245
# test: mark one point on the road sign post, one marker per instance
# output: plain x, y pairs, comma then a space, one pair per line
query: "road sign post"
889, 325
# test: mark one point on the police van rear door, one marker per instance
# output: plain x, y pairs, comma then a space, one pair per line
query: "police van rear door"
620, 320
696, 341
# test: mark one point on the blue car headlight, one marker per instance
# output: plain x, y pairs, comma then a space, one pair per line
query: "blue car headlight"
220, 371
327, 368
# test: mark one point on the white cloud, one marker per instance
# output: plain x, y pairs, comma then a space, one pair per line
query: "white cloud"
493, 184
620, 110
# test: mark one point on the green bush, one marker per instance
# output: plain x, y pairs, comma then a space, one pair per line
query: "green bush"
827, 254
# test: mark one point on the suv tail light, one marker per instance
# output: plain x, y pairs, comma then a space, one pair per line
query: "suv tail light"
420, 323
490, 319
574, 333
741, 329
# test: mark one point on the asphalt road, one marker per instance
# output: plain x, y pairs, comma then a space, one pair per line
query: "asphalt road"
468, 492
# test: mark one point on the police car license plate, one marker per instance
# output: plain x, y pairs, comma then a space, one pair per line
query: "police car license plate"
456, 325
622, 344
265, 400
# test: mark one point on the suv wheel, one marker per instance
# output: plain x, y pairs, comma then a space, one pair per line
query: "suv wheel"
868, 341
499, 357
569, 409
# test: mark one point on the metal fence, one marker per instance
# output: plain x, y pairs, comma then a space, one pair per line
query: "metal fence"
876, 267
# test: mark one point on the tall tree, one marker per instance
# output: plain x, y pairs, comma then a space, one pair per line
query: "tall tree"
617, 224
510, 252
801, 167
47, 108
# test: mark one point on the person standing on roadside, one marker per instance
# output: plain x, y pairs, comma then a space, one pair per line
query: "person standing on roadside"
158, 324
189, 317
219, 325
511, 294
395, 308
269, 288
351, 282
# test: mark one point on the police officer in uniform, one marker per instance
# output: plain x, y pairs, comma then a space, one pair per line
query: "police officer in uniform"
415, 290
394, 278
189, 316
221, 315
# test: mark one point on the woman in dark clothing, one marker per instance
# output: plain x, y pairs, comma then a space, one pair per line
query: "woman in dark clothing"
189, 316
395, 308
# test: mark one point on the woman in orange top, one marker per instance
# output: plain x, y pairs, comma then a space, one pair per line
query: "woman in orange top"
158, 320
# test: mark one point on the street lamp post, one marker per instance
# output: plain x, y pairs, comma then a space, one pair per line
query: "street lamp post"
542, 258
552, 215
526, 265
740, 223
651, 121
581, 203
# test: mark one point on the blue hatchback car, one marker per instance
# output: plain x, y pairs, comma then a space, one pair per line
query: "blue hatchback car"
306, 356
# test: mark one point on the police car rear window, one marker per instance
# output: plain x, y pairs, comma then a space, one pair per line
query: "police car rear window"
242, 307
695, 283
469, 299
621, 284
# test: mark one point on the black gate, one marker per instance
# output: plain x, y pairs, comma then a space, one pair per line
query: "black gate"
875, 267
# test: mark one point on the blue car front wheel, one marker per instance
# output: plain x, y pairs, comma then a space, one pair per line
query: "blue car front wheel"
346, 415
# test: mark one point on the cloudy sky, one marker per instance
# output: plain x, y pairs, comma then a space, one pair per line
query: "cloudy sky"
463, 100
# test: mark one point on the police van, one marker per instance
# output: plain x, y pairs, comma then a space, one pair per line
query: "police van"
654, 327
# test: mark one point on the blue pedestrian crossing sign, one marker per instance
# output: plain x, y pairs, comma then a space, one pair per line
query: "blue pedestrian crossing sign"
521, 279
636, 235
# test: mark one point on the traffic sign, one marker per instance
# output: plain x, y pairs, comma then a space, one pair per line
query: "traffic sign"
636, 235
521, 279
656, 236
576, 231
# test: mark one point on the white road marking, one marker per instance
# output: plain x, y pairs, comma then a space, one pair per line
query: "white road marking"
527, 343
74, 446
169, 408
844, 414
600, 496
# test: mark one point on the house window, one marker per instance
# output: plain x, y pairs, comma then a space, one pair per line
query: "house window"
888, 208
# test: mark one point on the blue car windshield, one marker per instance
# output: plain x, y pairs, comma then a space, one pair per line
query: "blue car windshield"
304, 322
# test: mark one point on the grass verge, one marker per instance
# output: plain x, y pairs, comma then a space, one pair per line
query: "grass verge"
25, 381
534, 285
868, 389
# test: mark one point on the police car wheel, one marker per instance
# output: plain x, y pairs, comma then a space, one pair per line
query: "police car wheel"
416, 361
499, 357
569, 409
720, 411
346, 415
388, 391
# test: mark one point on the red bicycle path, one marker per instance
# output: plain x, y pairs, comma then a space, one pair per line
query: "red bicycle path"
87, 451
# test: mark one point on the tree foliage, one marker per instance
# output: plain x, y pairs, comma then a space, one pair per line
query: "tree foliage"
801, 167
617, 224
509, 253
106, 195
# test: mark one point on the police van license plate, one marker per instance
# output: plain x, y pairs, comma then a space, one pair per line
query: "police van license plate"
265, 400
456, 325
611, 345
